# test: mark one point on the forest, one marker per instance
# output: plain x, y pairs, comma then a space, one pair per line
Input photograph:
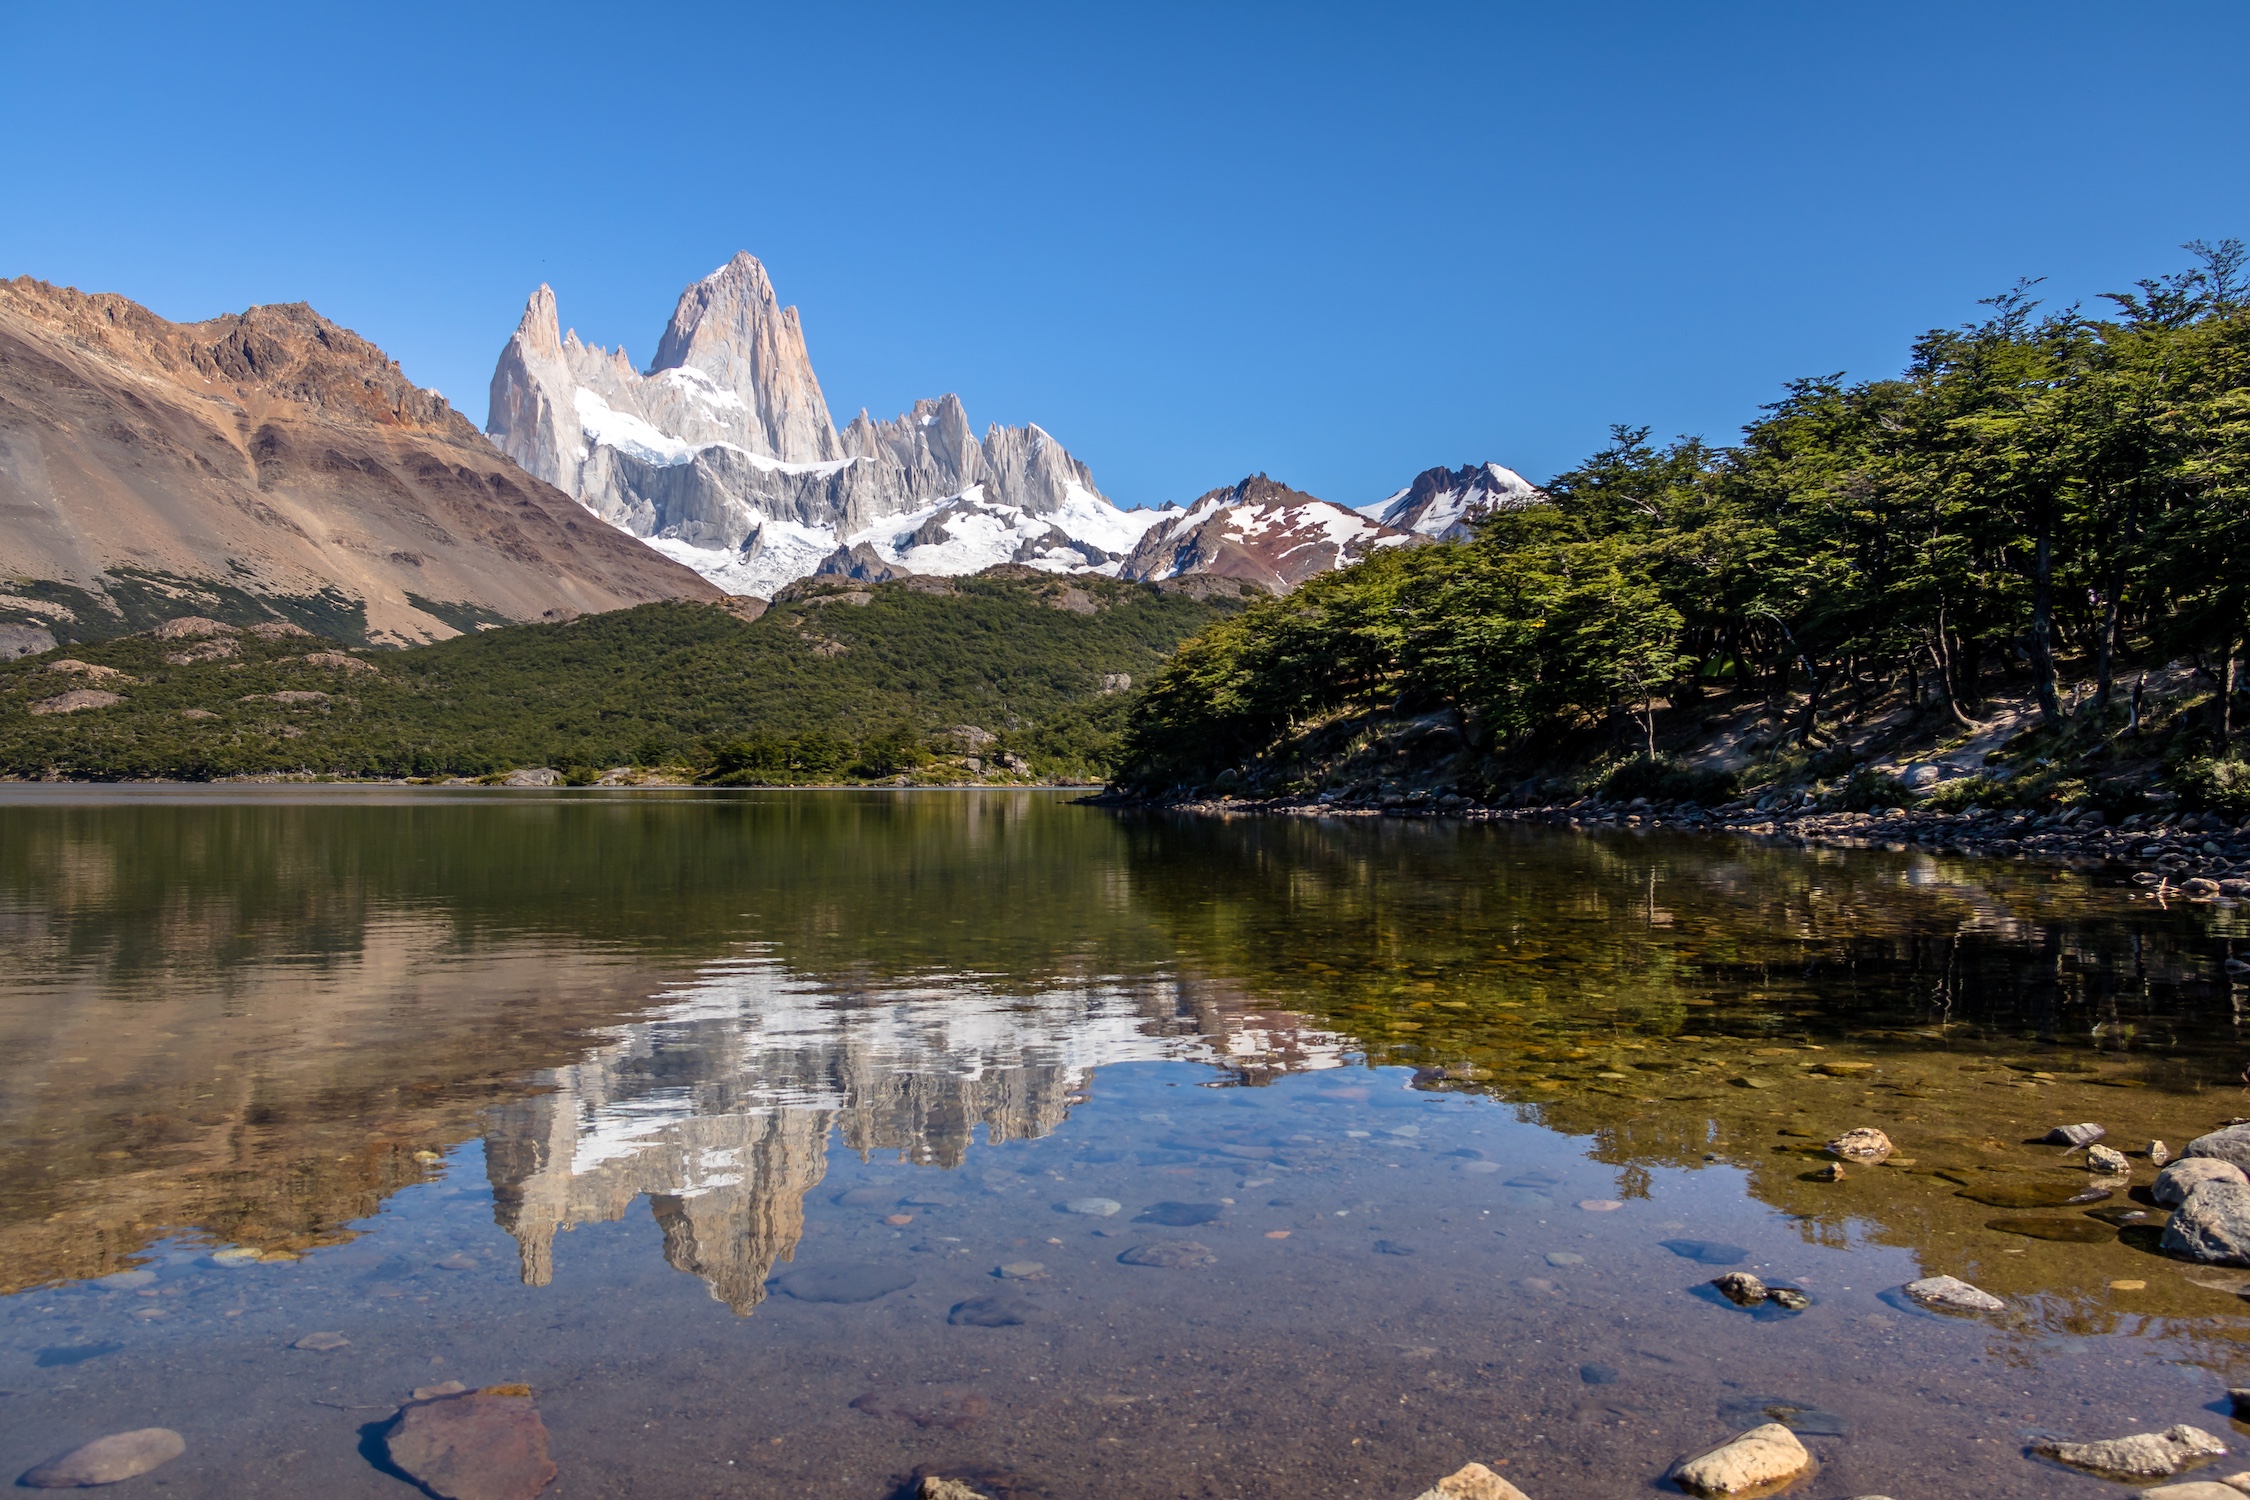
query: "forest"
2045, 501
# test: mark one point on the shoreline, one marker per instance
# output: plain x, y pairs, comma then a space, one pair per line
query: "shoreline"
2200, 857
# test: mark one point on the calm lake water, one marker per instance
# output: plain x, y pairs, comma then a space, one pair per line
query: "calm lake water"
794, 1144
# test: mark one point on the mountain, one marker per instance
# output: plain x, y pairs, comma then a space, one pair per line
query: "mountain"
1262, 532
267, 466
1441, 503
723, 456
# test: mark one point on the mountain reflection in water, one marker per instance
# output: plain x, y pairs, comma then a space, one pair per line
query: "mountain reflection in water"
719, 1106
1466, 1092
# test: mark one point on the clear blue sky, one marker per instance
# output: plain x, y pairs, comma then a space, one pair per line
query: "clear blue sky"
1338, 245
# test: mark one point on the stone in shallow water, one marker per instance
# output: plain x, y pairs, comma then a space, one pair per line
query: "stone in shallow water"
1565, 1258
479, 1445
1708, 1252
848, 1281
1599, 1374
1801, 1417
1092, 1208
2212, 1225
2144, 1455
108, 1460
2184, 1176
2075, 1135
2194, 1489
1171, 1255
322, 1342
997, 1311
2231, 1145
1022, 1270
126, 1281
56, 1355
1741, 1288
1745, 1463
2108, 1163
938, 1487
1864, 1144
1179, 1215
1392, 1247
2063, 1231
1952, 1294
1472, 1482
2033, 1194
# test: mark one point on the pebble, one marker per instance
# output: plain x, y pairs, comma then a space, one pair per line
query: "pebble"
1478, 1168
1564, 1258
1021, 1270
2108, 1162
2128, 1284
1392, 1247
1092, 1208
1178, 1215
2184, 1176
2194, 1489
126, 1281
2144, 1455
2075, 1135
1952, 1294
457, 1261
2212, 1225
2159, 1153
1600, 1205
1598, 1374
442, 1388
475, 1445
1749, 1461
1833, 1172
1472, 1482
1171, 1255
321, 1342
108, 1460
234, 1255
1864, 1144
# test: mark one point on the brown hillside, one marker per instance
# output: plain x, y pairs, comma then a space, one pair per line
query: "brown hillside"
269, 463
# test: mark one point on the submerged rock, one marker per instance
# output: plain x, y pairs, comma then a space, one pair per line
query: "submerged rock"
1708, 1252
322, 1342
1171, 1255
108, 1460
938, 1487
1092, 1208
846, 1282
1953, 1295
2184, 1176
1741, 1288
478, 1445
1179, 1215
2194, 1489
2212, 1225
2144, 1455
1744, 1463
1472, 1482
998, 1311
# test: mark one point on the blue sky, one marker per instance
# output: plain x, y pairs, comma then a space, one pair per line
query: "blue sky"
1339, 245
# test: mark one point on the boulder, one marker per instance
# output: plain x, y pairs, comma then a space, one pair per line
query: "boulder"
2144, 1455
108, 1460
1747, 1462
2107, 1162
1953, 1295
2231, 1145
2184, 1176
534, 776
2212, 1225
1472, 1482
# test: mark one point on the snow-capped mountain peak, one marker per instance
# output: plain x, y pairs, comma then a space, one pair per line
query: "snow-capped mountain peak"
1442, 504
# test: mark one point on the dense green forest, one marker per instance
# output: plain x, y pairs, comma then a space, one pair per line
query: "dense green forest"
2038, 489
837, 681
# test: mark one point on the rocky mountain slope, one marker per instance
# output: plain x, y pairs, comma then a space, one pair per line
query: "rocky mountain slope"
267, 465
1443, 504
1262, 532
723, 455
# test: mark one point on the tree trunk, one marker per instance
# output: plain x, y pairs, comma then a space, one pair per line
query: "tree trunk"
2042, 625
2112, 622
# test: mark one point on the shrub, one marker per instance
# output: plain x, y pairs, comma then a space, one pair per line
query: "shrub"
1665, 780
1868, 790
2215, 785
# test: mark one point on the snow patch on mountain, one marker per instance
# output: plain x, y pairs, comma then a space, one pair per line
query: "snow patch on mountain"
1443, 504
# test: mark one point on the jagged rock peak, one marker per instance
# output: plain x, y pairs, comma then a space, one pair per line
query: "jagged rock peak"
540, 328
732, 327
1444, 503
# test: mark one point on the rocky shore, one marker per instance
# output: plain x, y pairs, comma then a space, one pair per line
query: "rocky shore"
2194, 856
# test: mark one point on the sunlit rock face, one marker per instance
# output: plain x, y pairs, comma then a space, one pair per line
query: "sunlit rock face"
721, 1105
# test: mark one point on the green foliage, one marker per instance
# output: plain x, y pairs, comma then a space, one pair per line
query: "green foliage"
1868, 791
1663, 780
2032, 486
2215, 785
836, 682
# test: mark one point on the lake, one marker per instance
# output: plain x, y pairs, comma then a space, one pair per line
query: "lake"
803, 1143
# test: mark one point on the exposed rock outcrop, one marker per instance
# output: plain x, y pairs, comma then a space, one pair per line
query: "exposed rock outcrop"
1444, 504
